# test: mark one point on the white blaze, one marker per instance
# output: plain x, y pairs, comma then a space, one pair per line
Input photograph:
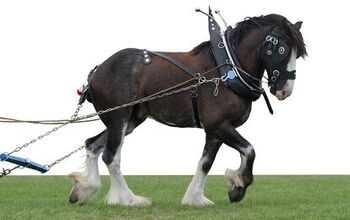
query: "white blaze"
288, 87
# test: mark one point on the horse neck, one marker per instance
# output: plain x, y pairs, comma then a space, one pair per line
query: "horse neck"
248, 60
250, 63
248, 51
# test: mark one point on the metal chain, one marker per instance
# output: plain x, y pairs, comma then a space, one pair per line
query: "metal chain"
73, 117
64, 157
201, 80
145, 99
6, 172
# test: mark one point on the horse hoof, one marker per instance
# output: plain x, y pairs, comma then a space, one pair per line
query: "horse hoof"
73, 198
196, 201
236, 194
131, 200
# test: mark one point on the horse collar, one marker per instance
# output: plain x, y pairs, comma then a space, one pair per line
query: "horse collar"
244, 85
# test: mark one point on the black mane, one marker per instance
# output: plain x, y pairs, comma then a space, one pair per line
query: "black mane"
250, 23
200, 47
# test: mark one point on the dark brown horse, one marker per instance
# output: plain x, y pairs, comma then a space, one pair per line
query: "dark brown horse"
126, 77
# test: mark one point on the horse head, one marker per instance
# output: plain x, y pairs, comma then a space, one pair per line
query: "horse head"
276, 44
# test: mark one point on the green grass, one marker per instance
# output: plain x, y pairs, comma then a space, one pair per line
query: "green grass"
270, 197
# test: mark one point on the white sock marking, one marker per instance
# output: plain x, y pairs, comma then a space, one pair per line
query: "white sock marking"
120, 193
195, 192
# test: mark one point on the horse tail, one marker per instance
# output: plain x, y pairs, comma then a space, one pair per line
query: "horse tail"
88, 91
85, 92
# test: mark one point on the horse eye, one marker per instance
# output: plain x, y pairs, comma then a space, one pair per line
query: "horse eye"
281, 50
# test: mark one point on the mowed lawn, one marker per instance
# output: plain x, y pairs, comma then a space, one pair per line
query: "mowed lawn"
270, 197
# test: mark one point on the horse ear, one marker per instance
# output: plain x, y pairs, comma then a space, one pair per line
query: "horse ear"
298, 25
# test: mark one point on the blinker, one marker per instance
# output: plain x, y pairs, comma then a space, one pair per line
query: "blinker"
276, 51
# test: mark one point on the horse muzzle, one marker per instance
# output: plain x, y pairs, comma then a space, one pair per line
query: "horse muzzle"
283, 92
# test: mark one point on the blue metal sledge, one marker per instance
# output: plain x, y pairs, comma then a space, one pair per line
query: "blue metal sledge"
24, 162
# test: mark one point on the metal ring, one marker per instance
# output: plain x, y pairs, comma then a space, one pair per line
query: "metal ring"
276, 73
202, 80
268, 38
193, 89
275, 41
273, 79
281, 50
221, 45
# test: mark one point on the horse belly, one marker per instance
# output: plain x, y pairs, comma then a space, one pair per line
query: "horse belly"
173, 110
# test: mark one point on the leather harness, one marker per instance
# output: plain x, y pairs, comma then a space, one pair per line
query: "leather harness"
243, 84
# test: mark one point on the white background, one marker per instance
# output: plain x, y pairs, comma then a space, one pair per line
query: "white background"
47, 49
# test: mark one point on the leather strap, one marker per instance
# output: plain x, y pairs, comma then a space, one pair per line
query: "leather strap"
268, 103
190, 72
195, 109
185, 68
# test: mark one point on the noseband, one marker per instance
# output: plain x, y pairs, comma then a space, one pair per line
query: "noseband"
274, 51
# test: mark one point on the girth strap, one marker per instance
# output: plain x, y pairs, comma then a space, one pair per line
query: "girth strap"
190, 72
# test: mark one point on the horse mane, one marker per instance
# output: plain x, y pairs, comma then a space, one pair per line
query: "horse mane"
200, 47
250, 23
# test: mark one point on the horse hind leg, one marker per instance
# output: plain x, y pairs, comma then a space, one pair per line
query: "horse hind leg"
87, 183
194, 195
119, 192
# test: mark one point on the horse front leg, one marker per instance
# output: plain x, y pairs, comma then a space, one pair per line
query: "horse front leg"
195, 192
237, 180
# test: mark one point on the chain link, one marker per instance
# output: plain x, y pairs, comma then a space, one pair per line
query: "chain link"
64, 157
6, 172
73, 117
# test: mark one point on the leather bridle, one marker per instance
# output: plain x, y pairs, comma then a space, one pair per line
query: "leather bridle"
274, 52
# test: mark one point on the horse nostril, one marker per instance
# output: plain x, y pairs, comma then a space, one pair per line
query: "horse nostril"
284, 93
